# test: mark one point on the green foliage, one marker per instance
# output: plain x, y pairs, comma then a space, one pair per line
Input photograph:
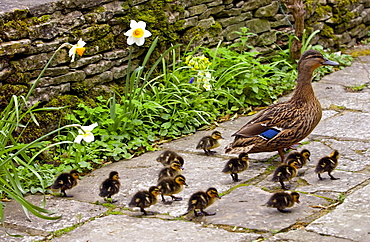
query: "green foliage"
343, 60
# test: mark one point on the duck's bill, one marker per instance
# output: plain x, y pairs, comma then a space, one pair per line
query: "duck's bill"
330, 63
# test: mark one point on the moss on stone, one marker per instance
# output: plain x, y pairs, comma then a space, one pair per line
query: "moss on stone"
154, 13
100, 9
327, 31
7, 91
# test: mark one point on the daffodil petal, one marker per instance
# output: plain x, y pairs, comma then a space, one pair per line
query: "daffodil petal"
130, 40
129, 32
133, 24
140, 41
141, 25
78, 139
89, 138
147, 33
81, 43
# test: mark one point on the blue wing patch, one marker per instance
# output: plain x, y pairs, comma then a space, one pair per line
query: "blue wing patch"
269, 134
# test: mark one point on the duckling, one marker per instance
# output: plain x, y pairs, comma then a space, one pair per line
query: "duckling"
282, 200
210, 142
66, 181
144, 199
201, 200
284, 124
171, 171
110, 186
301, 157
172, 186
285, 172
236, 165
327, 164
167, 156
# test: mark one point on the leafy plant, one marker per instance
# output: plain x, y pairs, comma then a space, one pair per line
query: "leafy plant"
17, 160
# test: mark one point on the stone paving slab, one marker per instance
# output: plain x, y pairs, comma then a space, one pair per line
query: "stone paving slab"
244, 207
72, 211
125, 228
300, 235
344, 126
350, 220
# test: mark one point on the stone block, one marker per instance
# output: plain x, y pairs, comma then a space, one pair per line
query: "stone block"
366, 16
258, 25
115, 54
211, 11
191, 22
197, 10
206, 23
54, 71
267, 38
252, 4
100, 67
119, 71
44, 94
225, 22
75, 76
30, 63
14, 47
48, 30
267, 11
99, 79
83, 61
40, 46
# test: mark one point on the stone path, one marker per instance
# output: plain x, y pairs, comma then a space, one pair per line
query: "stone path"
336, 210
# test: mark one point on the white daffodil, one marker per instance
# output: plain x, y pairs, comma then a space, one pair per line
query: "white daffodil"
77, 48
137, 33
84, 133
207, 86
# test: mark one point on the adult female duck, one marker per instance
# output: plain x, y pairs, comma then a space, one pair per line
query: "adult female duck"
284, 124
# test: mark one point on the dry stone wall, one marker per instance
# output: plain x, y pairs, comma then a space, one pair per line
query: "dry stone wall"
29, 37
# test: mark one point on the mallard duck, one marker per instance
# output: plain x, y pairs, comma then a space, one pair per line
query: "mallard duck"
110, 186
145, 199
236, 165
301, 157
172, 186
201, 200
284, 124
282, 200
207, 143
285, 172
66, 181
171, 171
167, 156
327, 164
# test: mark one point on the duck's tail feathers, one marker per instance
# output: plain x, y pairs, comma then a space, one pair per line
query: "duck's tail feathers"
239, 149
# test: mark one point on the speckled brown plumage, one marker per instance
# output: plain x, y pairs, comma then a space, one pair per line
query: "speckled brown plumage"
291, 121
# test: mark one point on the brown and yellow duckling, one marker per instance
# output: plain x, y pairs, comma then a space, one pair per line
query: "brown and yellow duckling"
284, 124
171, 186
66, 181
145, 199
282, 200
301, 157
207, 143
171, 171
167, 156
236, 165
110, 186
285, 172
327, 164
201, 200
